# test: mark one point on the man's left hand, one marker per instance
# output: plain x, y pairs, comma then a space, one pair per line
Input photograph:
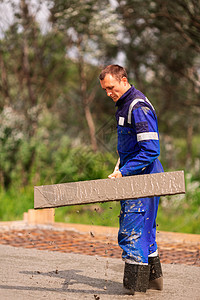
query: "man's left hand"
115, 174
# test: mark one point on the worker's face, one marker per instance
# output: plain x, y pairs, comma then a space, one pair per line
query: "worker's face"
113, 87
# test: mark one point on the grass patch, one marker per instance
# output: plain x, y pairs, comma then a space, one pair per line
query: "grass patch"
179, 219
14, 202
104, 214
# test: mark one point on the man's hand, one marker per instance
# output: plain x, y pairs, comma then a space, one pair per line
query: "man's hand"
115, 174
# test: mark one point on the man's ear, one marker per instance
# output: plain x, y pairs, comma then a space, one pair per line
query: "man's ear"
124, 80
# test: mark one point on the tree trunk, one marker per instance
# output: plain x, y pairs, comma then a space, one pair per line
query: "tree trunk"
4, 80
86, 100
91, 126
189, 143
25, 62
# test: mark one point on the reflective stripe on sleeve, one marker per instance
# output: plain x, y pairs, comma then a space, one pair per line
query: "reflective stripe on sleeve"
144, 136
133, 103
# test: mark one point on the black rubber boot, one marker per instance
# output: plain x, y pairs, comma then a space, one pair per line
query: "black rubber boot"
136, 278
156, 276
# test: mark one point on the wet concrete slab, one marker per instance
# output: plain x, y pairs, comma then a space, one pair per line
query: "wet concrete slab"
34, 274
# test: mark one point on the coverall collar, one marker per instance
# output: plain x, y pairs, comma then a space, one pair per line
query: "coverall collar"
125, 96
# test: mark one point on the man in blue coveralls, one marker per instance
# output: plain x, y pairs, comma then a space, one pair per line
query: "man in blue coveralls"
138, 149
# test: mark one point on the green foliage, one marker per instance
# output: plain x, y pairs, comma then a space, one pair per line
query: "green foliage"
181, 149
14, 202
53, 164
162, 44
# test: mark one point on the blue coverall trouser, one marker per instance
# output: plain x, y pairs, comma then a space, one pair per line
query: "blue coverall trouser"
137, 232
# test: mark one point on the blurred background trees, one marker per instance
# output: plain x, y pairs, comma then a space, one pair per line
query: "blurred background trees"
56, 124
162, 49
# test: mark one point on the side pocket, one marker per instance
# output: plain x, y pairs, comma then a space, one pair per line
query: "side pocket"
137, 205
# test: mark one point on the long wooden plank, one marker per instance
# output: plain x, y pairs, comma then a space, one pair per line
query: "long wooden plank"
102, 190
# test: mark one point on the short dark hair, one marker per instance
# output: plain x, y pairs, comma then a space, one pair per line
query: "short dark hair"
115, 70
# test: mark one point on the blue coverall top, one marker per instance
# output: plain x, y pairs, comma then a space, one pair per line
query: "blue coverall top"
138, 137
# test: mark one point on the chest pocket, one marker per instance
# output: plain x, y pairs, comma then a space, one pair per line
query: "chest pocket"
126, 139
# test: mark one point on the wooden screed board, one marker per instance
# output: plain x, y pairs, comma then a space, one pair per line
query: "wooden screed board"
102, 190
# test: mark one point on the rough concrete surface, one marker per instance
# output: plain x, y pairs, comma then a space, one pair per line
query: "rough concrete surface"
101, 190
33, 274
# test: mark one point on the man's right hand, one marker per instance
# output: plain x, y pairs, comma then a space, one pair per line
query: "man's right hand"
115, 174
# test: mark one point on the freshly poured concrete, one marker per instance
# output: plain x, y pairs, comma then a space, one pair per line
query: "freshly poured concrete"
30, 274
101, 190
